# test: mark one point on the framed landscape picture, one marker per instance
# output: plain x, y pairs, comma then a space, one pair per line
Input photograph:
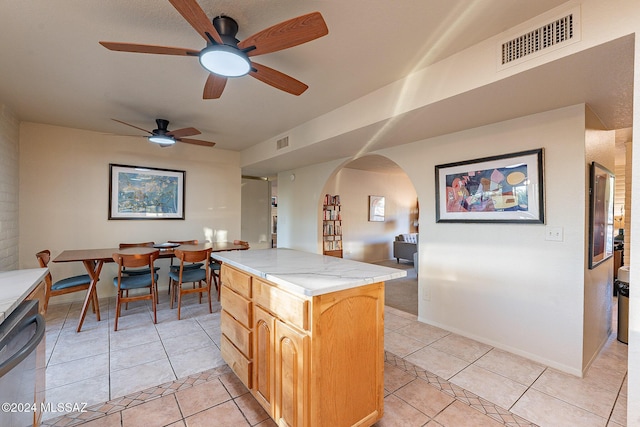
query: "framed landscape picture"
504, 188
145, 193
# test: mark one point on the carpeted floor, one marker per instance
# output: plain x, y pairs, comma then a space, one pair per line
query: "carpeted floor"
402, 293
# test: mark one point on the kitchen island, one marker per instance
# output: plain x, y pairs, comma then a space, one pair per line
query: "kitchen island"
305, 333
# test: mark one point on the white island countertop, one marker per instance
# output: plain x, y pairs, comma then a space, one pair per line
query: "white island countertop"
307, 273
15, 286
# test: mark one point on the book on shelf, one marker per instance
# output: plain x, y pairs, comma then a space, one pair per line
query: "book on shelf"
331, 215
331, 200
332, 245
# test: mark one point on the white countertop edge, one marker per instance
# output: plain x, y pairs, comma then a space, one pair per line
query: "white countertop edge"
288, 281
15, 287
284, 284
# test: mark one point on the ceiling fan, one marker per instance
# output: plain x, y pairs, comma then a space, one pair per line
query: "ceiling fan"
165, 138
225, 56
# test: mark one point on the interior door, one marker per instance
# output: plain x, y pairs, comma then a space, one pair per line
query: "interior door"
256, 212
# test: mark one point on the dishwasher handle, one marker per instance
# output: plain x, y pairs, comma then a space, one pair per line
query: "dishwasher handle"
22, 354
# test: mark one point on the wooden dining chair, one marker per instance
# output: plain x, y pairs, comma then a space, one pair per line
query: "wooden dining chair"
173, 267
133, 272
63, 286
125, 283
201, 276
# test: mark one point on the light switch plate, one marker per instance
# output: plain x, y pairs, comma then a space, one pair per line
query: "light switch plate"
554, 234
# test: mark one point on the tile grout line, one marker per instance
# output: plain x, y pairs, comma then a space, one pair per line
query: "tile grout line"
134, 399
482, 405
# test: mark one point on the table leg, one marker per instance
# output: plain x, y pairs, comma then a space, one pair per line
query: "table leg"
93, 268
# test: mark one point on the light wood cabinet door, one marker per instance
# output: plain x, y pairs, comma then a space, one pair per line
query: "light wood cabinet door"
263, 358
291, 400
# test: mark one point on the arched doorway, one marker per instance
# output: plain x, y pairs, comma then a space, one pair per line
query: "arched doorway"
371, 239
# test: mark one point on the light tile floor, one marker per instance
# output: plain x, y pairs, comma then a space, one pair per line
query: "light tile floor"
171, 373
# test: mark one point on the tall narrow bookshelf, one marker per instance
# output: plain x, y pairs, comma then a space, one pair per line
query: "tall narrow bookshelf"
332, 226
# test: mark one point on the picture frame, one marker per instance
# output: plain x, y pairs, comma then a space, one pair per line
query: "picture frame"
376, 208
601, 217
137, 192
507, 188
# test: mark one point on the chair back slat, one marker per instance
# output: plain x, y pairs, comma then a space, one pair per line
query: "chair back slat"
135, 260
241, 242
43, 259
184, 242
136, 245
192, 256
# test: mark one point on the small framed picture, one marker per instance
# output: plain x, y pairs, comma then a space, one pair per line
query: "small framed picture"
376, 208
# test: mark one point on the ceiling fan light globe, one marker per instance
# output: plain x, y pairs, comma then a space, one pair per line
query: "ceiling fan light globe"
225, 61
162, 139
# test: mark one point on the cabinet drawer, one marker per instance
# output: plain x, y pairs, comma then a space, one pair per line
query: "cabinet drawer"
236, 305
239, 335
236, 361
285, 306
236, 280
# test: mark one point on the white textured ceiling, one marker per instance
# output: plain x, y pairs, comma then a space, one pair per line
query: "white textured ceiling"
54, 71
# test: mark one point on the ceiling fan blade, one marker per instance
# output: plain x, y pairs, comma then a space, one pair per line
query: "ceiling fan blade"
214, 86
148, 48
128, 124
195, 16
179, 133
197, 142
286, 34
277, 79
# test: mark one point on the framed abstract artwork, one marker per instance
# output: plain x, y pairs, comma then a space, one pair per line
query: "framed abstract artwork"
601, 199
145, 193
504, 188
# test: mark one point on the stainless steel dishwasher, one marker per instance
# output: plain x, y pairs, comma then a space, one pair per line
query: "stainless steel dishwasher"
20, 334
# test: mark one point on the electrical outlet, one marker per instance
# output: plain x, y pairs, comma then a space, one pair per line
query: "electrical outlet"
554, 234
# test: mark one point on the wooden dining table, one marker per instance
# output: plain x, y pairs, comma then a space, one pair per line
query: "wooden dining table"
94, 259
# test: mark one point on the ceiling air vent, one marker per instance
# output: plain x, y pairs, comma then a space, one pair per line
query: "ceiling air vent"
282, 143
545, 38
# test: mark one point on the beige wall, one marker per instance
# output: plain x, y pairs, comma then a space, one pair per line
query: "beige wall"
64, 186
502, 284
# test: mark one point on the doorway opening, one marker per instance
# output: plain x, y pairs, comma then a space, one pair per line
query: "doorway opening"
370, 238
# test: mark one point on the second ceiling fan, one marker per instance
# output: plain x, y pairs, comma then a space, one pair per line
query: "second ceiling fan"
166, 138
225, 56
